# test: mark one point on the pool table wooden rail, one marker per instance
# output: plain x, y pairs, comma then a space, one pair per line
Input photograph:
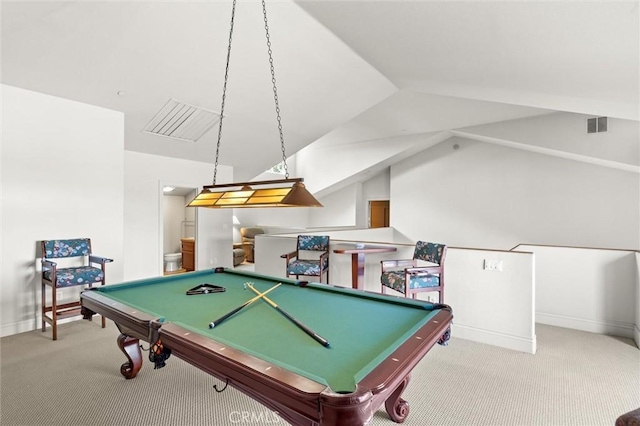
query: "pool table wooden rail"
292, 396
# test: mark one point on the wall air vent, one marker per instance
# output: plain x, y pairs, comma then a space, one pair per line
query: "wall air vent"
597, 124
182, 121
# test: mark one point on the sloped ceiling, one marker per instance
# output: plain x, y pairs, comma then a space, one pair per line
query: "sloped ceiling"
346, 71
562, 55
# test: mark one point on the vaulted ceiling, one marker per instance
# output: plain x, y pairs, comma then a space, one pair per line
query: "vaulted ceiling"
346, 71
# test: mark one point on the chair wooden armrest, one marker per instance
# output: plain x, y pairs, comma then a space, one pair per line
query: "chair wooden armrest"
48, 264
424, 270
99, 259
396, 264
290, 255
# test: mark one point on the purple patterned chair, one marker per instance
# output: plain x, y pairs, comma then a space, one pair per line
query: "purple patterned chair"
91, 271
407, 277
311, 257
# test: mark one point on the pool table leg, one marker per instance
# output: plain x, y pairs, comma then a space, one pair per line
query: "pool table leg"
398, 408
130, 346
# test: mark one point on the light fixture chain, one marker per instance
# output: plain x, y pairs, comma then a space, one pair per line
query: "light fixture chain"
224, 91
275, 90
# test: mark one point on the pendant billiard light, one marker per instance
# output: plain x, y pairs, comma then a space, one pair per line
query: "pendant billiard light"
287, 192
267, 193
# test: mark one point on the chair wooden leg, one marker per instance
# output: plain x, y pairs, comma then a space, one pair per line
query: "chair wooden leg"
104, 322
44, 298
54, 314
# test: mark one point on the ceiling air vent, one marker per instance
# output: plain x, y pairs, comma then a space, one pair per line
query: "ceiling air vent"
597, 124
182, 121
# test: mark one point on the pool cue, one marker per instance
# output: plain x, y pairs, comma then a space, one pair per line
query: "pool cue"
300, 325
245, 304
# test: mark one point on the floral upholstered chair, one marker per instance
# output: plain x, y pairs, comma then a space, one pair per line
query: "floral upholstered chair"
90, 271
409, 277
311, 257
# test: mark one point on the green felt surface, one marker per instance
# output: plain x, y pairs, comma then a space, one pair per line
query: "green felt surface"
362, 329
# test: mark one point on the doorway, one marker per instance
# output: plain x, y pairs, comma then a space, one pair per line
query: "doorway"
178, 229
379, 214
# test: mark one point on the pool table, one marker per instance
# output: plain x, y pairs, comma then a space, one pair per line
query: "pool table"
374, 340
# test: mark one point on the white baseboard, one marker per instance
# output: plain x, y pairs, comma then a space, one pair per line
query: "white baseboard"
613, 328
28, 325
516, 343
18, 327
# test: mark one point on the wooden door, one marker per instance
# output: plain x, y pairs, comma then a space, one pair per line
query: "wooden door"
379, 214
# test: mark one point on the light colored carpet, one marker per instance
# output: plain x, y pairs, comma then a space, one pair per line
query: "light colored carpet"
576, 378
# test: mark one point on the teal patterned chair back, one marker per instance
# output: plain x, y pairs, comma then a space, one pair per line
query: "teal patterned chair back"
66, 248
313, 242
429, 252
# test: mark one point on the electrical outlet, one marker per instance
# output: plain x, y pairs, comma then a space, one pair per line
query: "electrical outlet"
493, 265
58, 294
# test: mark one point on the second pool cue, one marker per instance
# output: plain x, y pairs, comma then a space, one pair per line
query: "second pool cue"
300, 325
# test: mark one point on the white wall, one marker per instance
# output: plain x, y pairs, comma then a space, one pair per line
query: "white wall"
144, 177
62, 177
325, 164
493, 307
490, 196
586, 289
375, 189
339, 208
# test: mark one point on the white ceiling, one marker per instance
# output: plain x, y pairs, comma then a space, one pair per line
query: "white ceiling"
346, 71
